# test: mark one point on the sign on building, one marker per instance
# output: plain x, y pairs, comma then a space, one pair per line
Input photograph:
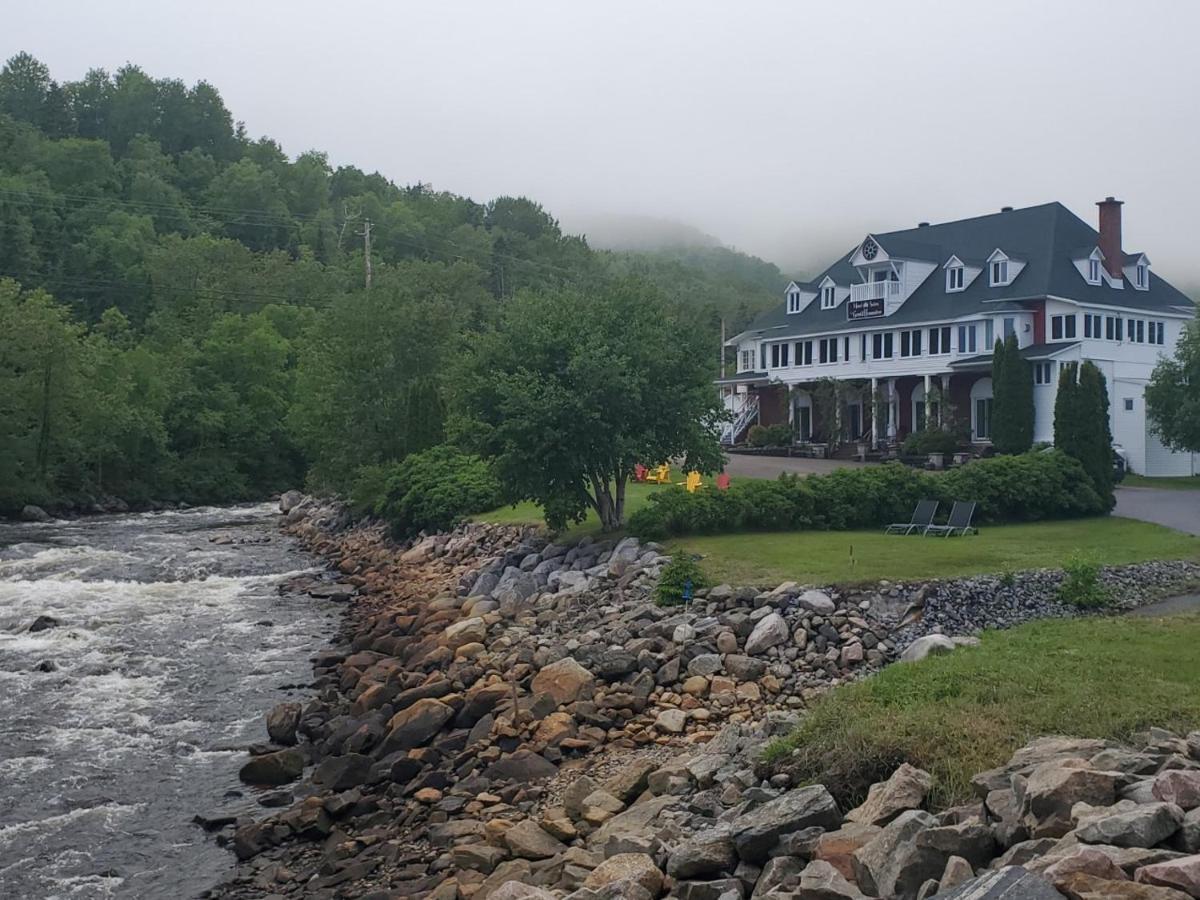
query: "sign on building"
864, 309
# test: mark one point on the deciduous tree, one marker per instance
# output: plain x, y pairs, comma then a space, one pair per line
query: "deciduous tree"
1173, 395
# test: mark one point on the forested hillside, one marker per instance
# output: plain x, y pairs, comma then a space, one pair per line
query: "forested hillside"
184, 312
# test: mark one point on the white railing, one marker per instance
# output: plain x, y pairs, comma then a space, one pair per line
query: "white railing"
876, 290
748, 414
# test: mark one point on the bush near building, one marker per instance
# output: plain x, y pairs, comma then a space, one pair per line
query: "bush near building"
1030, 487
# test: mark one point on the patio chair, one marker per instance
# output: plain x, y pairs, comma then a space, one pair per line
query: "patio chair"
659, 475
723, 481
693, 482
922, 518
959, 522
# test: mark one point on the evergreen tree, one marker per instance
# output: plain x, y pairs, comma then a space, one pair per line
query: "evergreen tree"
1095, 451
1012, 398
1066, 410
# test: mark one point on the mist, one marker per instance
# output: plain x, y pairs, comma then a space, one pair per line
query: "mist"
786, 130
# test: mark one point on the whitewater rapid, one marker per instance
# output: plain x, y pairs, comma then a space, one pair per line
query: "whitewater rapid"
132, 714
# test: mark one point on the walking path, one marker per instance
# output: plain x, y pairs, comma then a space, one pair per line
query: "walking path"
772, 466
1175, 509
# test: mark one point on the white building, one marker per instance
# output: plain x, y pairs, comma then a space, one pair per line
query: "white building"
914, 314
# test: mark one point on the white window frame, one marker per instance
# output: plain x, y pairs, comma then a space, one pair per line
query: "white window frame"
1093, 270
829, 297
793, 298
1140, 271
998, 273
955, 279
746, 360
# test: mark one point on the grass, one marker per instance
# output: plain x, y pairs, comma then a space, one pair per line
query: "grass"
1181, 483
825, 557
636, 496
965, 712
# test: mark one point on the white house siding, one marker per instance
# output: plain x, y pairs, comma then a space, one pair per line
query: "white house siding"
1166, 462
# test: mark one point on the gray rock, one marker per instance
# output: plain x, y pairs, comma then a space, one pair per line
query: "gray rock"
275, 768
1143, 826
706, 854
745, 668
929, 645
815, 601
31, 513
905, 789
1010, 883
282, 722
705, 664
340, 773
770, 631
821, 881
1053, 789
759, 830
892, 857
527, 840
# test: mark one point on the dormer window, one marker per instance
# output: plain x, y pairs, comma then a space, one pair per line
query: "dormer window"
1140, 275
828, 297
999, 271
793, 302
954, 278
1093, 271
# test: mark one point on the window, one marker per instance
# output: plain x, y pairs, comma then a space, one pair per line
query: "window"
1042, 372
1139, 274
747, 363
779, 355
954, 278
1094, 271
1159, 333
910, 343
983, 418
828, 350
881, 345
939, 340
999, 272
762, 353
966, 339
1109, 323
804, 353
1010, 327
989, 338
793, 302
1062, 327
1069, 327
828, 297
862, 348
1091, 326
846, 349
1129, 329
1128, 404
1141, 331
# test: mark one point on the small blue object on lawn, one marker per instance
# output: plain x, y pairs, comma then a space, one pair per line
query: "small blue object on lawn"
687, 591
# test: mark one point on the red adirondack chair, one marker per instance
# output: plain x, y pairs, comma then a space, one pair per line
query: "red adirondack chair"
723, 482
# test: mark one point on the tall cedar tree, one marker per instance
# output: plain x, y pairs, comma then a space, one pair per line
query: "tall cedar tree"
571, 391
1173, 395
1081, 427
1012, 398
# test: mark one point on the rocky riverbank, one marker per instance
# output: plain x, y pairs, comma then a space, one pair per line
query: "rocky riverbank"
499, 708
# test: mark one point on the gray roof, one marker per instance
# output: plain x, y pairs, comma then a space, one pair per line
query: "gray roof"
1032, 352
1046, 238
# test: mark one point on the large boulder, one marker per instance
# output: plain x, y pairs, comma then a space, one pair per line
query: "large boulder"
1142, 826
821, 881
771, 630
522, 765
638, 867
838, 847
905, 789
1182, 874
815, 601
468, 631
929, 645
759, 830
31, 513
282, 722
1009, 883
416, 725
565, 680
1054, 788
704, 855
1082, 886
891, 863
340, 773
1178, 786
527, 840
289, 500
275, 768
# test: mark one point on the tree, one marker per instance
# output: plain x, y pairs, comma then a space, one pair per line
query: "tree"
1081, 423
1012, 398
574, 389
1173, 395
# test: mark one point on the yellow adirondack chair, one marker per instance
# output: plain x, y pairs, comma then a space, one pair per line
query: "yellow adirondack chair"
660, 475
693, 482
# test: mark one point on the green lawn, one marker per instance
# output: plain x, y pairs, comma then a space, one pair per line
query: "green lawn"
825, 557
965, 712
636, 496
1183, 483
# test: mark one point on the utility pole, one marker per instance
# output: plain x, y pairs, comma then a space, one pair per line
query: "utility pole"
366, 236
722, 347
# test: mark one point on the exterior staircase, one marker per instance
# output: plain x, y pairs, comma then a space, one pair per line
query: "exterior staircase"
731, 431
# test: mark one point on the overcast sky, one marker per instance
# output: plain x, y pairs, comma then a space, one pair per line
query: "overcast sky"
786, 129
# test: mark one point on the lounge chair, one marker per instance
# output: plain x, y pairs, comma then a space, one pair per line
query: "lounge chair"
922, 518
959, 522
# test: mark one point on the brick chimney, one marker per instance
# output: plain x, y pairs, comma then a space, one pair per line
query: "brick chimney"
1110, 236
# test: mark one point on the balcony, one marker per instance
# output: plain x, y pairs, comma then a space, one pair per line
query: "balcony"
876, 290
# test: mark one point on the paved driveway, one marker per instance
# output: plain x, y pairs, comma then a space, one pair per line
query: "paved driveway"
1175, 509
772, 466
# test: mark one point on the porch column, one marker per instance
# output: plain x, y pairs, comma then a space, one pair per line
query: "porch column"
874, 410
893, 411
944, 399
928, 388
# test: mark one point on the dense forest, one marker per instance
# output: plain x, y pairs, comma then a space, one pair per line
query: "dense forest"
185, 312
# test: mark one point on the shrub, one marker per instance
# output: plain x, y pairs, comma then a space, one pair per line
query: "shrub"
1081, 585
1029, 487
436, 489
930, 440
673, 583
369, 486
769, 436
757, 436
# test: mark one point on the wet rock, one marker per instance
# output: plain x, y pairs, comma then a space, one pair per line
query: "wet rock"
275, 768
282, 722
31, 513
43, 623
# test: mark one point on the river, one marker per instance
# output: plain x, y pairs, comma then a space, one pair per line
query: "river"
174, 640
